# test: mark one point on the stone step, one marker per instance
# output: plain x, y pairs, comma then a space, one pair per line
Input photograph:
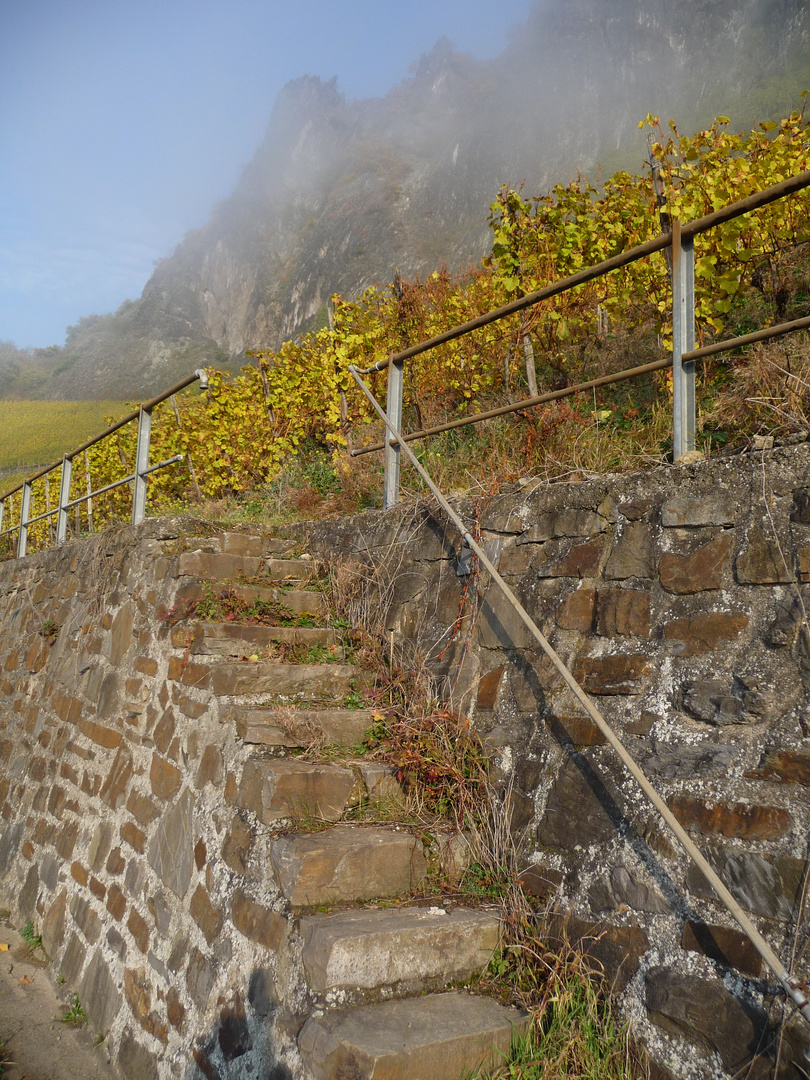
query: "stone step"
310, 681
231, 543
347, 863
434, 1037
238, 639
290, 569
298, 601
284, 789
405, 949
218, 566
291, 726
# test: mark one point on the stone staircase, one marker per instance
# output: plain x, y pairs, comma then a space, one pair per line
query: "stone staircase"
377, 977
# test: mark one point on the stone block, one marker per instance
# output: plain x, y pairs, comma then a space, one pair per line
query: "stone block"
623, 613
686, 762
107, 737
120, 634
98, 993
133, 836
613, 950
171, 850
200, 975
115, 862
346, 863
175, 1010
114, 788
612, 674
205, 915
725, 946
705, 1012
577, 730
282, 789
116, 903
366, 950
633, 554
686, 512
700, 634
578, 611
739, 820
561, 559
164, 731
582, 808
135, 1061
142, 808
488, 687
165, 778
258, 923
53, 925
211, 769
499, 625
237, 846
286, 680
72, 960
138, 995
767, 885
435, 1037
785, 766
762, 562
85, 918
139, 928
699, 571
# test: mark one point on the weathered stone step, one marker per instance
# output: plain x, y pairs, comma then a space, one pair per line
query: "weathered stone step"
234, 543
347, 863
281, 789
290, 569
435, 1037
285, 680
298, 601
285, 788
298, 727
238, 639
218, 566
406, 949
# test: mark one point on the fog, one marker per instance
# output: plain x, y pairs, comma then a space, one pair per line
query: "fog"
123, 125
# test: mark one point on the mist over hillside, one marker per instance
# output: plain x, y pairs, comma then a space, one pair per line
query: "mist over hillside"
341, 192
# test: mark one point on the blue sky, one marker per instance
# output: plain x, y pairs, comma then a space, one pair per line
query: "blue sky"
123, 121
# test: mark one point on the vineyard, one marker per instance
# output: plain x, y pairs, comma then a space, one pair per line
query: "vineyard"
274, 440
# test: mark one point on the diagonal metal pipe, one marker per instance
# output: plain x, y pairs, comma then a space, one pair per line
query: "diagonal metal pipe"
792, 986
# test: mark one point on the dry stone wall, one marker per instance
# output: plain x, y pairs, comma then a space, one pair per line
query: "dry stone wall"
119, 834
678, 597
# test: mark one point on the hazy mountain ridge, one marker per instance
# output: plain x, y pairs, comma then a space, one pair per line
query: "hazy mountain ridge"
339, 193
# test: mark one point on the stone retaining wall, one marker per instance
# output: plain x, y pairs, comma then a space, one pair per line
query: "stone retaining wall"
119, 838
677, 596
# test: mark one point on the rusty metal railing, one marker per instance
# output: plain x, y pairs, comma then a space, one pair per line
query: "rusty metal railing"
682, 360
138, 479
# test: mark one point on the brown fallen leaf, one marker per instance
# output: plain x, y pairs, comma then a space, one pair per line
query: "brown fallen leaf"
25, 980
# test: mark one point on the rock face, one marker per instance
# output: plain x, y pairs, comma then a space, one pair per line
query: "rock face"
339, 193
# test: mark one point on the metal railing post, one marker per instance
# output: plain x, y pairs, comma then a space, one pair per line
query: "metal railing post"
25, 507
393, 410
683, 341
64, 499
141, 466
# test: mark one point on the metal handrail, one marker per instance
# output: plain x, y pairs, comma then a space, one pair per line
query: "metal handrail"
143, 414
681, 240
791, 984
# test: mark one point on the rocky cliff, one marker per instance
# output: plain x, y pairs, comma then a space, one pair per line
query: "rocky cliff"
339, 193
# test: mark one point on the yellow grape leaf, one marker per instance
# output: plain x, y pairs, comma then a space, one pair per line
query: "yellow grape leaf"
3, 946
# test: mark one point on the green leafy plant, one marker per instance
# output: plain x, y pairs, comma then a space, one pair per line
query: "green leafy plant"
30, 937
74, 1014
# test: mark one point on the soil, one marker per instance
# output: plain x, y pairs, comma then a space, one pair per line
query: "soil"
38, 1046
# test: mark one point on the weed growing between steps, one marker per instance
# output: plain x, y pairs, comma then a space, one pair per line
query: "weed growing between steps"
32, 939
227, 606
